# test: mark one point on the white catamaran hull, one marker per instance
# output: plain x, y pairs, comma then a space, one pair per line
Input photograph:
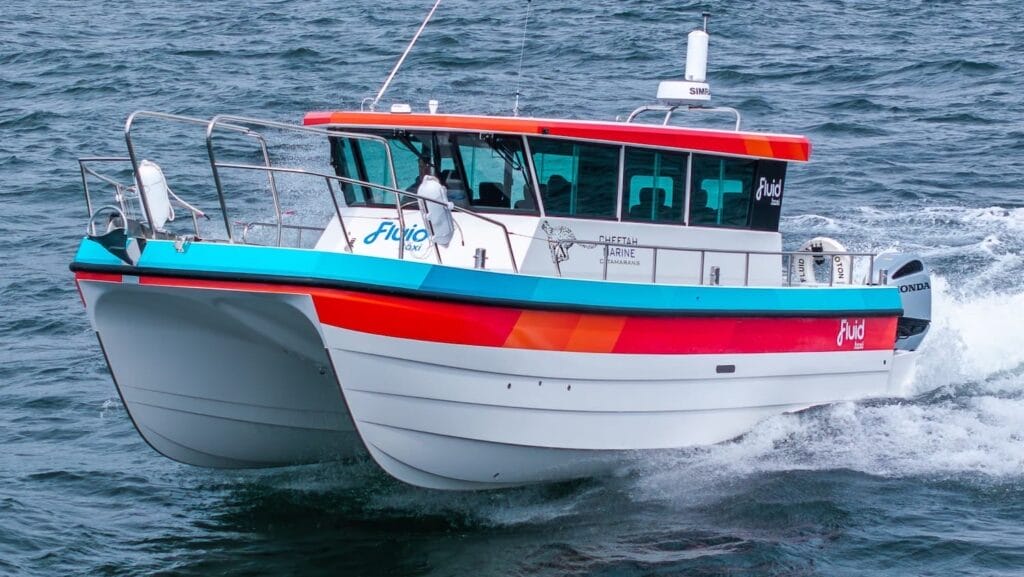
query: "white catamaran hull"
222, 378
460, 417
232, 378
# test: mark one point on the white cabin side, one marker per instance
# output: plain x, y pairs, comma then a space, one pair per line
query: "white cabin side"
571, 207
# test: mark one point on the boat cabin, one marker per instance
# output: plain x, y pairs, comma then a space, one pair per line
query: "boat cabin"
613, 187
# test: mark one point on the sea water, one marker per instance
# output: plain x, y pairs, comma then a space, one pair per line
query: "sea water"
916, 113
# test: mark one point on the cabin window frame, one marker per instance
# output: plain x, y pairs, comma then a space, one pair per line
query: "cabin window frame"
532, 177
538, 201
431, 138
527, 171
621, 188
748, 214
689, 188
612, 215
683, 184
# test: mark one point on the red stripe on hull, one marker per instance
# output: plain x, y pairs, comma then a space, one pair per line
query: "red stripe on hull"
93, 276
97, 276
416, 319
481, 325
506, 327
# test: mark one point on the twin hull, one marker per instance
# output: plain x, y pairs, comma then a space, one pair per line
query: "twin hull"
455, 394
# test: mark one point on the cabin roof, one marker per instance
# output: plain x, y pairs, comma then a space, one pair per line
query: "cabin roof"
753, 144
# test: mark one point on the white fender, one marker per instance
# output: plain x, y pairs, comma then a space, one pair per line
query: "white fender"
802, 267
438, 215
154, 186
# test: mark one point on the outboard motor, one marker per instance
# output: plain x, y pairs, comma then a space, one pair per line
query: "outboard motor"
914, 280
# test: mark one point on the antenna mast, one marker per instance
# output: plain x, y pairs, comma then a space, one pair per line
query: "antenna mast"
522, 52
383, 89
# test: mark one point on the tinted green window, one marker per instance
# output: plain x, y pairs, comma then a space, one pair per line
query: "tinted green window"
576, 179
344, 163
480, 171
493, 170
413, 154
374, 158
366, 161
720, 192
655, 186
362, 160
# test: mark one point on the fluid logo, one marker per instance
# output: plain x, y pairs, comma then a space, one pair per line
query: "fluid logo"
388, 230
771, 189
851, 331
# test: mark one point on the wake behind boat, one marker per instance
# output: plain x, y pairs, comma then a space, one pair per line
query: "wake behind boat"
485, 301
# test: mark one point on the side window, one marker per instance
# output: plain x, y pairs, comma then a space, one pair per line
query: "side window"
344, 163
655, 186
412, 153
374, 158
494, 170
576, 179
362, 160
720, 191
407, 166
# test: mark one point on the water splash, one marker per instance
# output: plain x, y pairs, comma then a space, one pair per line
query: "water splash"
110, 405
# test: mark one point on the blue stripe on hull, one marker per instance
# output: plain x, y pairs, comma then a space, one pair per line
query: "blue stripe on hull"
297, 265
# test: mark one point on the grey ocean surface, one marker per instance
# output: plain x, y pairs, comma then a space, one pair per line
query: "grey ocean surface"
916, 112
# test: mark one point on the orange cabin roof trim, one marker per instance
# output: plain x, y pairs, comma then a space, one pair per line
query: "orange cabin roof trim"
754, 144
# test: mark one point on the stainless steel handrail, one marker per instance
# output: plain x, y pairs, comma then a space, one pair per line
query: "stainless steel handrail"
670, 109
225, 120
129, 124
88, 171
237, 124
90, 227
397, 192
326, 177
746, 254
247, 226
243, 125
122, 189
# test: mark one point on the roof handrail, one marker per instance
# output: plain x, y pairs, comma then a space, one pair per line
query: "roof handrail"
670, 109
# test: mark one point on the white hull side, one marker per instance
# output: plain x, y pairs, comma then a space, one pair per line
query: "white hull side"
222, 378
456, 417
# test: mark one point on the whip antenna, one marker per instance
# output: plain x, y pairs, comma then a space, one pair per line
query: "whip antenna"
522, 52
383, 89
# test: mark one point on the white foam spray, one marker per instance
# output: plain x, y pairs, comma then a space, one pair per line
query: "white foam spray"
963, 414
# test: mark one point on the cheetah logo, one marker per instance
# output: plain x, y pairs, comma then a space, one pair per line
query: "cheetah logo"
560, 240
